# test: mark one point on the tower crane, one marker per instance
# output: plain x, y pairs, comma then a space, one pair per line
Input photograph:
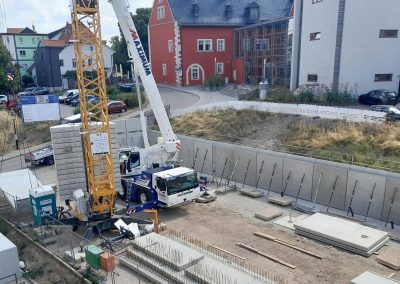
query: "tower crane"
156, 183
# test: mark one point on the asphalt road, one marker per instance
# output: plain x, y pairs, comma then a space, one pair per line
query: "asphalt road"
176, 99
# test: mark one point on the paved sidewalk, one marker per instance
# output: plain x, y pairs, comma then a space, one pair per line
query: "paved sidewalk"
206, 97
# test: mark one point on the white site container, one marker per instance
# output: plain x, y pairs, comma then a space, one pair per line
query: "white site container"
9, 268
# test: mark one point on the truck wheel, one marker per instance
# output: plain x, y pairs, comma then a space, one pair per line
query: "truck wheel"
122, 194
50, 161
142, 196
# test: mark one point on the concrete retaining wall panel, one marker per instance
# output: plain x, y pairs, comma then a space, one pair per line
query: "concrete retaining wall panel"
203, 163
267, 169
245, 158
152, 135
298, 168
328, 177
223, 154
186, 155
392, 185
363, 191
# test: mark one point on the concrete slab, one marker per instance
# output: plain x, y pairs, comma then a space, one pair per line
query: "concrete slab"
366, 253
288, 222
342, 231
329, 174
369, 277
363, 191
167, 251
390, 258
209, 270
252, 192
268, 214
282, 201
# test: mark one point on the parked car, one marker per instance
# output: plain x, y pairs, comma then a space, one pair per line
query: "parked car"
116, 106
67, 94
3, 99
392, 113
26, 91
34, 91
69, 99
96, 100
76, 102
379, 97
12, 103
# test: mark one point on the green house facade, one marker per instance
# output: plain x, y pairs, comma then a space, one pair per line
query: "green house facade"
22, 44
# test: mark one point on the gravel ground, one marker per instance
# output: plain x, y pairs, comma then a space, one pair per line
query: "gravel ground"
230, 219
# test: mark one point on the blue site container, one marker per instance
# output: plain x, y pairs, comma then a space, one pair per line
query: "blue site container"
43, 201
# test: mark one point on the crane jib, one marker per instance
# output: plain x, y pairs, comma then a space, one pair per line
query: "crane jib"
142, 56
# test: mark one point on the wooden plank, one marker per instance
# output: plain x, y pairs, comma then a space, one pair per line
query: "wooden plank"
270, 257
282, 242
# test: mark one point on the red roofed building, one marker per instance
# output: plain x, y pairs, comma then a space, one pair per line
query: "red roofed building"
191, 41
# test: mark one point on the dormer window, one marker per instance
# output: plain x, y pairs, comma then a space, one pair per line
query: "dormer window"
253, 12
228, 10
196, 9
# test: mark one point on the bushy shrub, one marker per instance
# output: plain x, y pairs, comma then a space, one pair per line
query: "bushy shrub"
281, 94
215, 81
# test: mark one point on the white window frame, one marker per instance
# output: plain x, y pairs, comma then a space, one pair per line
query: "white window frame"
164, 69
170, 46
160, 13
191, 73
33, 40
221, 44
22, 53
261, 44
90, 61
20, 39
313, 81
220, 68
73, 63
315, 36
203, 42
160, 1
316, 1
61, 62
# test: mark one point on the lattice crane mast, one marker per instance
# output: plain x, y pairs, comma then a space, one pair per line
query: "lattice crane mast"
86, 34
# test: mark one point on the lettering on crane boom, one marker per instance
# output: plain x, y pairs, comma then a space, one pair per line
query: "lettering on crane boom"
140, 51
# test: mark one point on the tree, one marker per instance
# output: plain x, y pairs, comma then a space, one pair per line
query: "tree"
6, 67
118, 43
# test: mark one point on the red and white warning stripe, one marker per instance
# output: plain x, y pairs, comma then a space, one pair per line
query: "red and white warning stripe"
10, 77
178, 147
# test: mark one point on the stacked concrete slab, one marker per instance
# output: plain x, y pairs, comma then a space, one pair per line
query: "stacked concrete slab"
345, 234
179, 263
369, 277
69, 160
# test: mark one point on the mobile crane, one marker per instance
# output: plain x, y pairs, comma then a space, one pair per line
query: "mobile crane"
157, 183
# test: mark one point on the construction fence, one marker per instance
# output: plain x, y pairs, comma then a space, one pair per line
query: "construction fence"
327, 183
325, 112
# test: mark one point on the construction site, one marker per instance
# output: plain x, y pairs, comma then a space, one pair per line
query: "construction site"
207, 194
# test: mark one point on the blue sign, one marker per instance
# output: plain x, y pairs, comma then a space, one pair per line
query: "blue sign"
45, 99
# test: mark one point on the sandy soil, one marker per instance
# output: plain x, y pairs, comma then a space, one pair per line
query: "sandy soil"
228, 221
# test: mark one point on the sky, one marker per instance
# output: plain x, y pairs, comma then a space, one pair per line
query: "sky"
50, 15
